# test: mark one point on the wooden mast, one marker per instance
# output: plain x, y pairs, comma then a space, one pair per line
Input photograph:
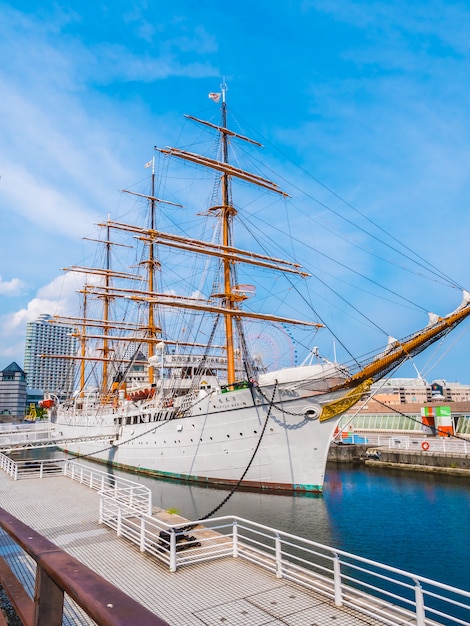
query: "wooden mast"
106, 303
83, 341
152, 264
227, 213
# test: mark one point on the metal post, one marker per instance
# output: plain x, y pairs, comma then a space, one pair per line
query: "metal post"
41, 469
234, 539
337, 579
278, 556
142, 534
419, 599
100, 521
48, 601
172, 550
119, 522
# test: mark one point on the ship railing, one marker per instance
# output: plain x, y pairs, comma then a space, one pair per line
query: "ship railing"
375, 589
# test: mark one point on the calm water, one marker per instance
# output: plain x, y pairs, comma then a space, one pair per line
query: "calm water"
415, 521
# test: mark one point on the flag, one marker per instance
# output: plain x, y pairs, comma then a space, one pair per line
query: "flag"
149, 164
214, 96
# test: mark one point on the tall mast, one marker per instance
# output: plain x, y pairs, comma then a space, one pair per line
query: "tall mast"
227, 213
83, 344
106, 300
151, 277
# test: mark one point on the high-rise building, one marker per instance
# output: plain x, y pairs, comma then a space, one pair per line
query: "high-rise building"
12, 392
50, 374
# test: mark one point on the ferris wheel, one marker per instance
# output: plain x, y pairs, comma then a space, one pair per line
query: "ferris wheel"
271, 346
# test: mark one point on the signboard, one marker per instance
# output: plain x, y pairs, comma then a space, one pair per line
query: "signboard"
435, 411
437, 420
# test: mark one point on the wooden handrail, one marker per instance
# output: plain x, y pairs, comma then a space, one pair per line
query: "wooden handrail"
57, 573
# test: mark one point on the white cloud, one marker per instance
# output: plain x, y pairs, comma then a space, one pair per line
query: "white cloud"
11, 287
58, 297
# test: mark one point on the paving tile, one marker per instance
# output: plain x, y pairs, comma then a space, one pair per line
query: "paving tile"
284, 600
238, 613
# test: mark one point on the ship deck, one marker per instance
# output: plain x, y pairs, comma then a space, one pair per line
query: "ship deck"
227, 591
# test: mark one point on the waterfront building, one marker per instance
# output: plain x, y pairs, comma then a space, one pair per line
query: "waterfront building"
12, 392
412, 404
45, 371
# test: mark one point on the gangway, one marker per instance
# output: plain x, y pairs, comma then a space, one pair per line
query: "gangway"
51, 442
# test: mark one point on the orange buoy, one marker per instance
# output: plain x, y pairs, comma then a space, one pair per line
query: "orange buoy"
425, 445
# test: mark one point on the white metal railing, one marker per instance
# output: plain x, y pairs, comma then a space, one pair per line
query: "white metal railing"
7, 464
121, 490
435, 444
162, 540
412, 441
378, 590
124, 492
30, 468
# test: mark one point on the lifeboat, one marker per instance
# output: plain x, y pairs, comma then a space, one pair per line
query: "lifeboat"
141, 394
46, 404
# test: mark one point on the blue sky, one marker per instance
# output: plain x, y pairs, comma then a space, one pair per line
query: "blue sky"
370, 98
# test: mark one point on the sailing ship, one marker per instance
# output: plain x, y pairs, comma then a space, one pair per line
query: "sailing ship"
173, 398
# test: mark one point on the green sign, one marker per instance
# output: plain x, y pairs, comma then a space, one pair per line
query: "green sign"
436, 411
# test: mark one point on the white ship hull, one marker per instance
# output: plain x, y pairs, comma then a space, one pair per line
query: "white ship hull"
225, 434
